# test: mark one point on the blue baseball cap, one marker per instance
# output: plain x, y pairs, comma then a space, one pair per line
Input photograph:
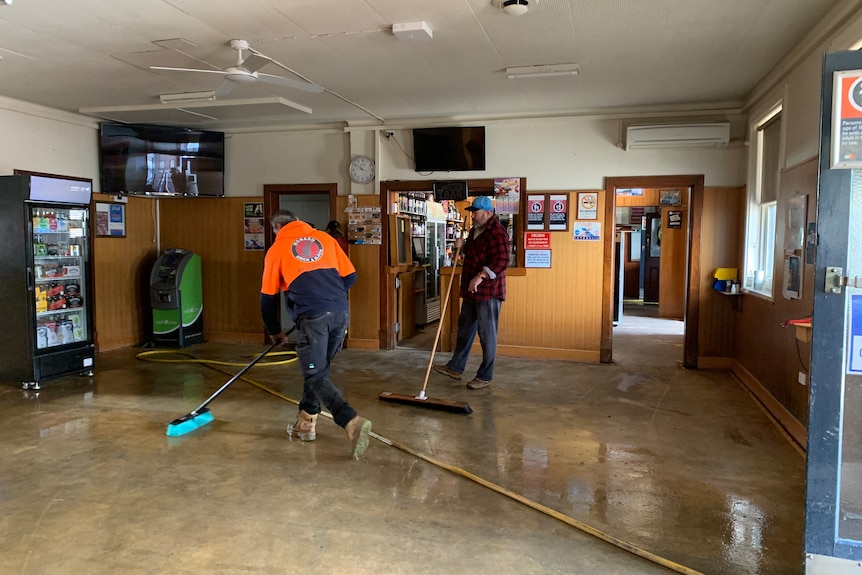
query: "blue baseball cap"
481, 203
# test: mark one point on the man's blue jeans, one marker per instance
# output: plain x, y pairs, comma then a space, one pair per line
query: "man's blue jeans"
320, 338
476, 317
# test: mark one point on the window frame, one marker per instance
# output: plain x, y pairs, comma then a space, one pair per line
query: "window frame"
760, 237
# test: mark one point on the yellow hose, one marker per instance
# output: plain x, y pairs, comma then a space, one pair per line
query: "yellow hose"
619, 543
189, 358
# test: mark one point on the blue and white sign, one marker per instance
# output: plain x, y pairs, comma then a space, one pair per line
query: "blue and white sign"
855, 347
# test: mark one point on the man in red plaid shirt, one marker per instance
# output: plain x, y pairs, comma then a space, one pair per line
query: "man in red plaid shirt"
483, 289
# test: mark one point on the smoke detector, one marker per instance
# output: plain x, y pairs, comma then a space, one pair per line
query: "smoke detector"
515, 7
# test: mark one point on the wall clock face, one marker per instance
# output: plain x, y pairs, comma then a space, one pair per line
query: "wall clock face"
361, 169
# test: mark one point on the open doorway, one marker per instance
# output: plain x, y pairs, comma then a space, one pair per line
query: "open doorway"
652, 255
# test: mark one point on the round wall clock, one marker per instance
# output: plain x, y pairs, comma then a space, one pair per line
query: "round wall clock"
361, 169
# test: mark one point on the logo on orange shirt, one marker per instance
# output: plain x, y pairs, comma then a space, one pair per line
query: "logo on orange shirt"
307, 249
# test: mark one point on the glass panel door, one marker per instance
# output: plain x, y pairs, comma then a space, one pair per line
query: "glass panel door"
833, 518
60, 240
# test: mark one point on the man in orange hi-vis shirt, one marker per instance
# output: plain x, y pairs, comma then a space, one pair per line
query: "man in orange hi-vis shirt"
314, 273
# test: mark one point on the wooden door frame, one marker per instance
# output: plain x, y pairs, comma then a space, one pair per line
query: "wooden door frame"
271, 192
694, 185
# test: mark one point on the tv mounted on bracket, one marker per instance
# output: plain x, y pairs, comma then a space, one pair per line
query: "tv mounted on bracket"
449, 149
143, 159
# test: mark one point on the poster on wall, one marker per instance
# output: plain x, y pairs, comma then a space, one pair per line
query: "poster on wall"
674, 219
535, 212
846, 144
110, 220
507, 195
558, 212
587, 231
253, 224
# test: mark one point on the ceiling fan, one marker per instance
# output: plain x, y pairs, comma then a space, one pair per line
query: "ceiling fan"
246, 71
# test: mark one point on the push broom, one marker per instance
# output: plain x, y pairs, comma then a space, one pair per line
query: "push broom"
201, 416
422, 399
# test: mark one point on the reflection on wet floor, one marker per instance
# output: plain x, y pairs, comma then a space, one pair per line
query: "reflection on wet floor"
679, 463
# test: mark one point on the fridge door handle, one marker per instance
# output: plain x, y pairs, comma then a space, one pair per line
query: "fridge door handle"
30, 280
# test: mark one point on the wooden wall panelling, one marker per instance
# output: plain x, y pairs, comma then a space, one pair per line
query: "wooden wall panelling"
213, 229
364, 332
721, 237
650, 197
768, 352
121, 270
555, 313
672, 272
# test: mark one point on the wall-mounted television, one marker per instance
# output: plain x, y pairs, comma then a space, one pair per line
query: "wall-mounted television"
449, 149
144, 159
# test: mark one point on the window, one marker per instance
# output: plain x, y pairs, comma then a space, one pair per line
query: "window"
762, 200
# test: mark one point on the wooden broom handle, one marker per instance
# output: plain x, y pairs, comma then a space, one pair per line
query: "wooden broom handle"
443, 313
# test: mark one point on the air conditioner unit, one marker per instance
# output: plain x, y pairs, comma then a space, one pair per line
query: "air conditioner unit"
712, 135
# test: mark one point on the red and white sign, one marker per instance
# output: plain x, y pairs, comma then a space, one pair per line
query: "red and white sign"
559, 212
847, 119
537, 240
535, 212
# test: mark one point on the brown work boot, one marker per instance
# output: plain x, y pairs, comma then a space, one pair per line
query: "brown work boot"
477, 383
445, 370
304, 426
357, 430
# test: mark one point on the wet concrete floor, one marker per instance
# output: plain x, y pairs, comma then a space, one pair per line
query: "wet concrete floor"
680, 464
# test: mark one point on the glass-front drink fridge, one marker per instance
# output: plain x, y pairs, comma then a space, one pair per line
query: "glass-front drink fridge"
45, 279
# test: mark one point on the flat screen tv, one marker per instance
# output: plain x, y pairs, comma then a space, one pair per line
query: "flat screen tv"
143, 159
454, 149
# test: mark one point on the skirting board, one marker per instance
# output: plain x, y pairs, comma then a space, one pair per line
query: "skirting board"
362, 343
579, 355
714, 362
795, 432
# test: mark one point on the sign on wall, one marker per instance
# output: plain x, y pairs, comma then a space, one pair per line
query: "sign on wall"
537, 258
588, 204
537, 240
558, 212
587, 231
535, 212
253, 226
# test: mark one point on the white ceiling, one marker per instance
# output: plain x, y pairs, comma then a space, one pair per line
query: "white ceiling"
80, 55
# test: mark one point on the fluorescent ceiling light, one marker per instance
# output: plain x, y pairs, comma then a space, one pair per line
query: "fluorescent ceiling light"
183, 97
542, 71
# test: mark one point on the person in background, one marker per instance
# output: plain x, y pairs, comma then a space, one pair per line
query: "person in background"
483, 289
333, 228
314, 273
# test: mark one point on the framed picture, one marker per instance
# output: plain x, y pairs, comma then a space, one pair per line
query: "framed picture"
792, 277
670, 197
110, 220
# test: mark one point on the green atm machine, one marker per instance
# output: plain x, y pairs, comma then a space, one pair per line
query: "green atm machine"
176, 299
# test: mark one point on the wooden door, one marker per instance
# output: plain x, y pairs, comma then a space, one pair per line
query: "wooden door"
652, 257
